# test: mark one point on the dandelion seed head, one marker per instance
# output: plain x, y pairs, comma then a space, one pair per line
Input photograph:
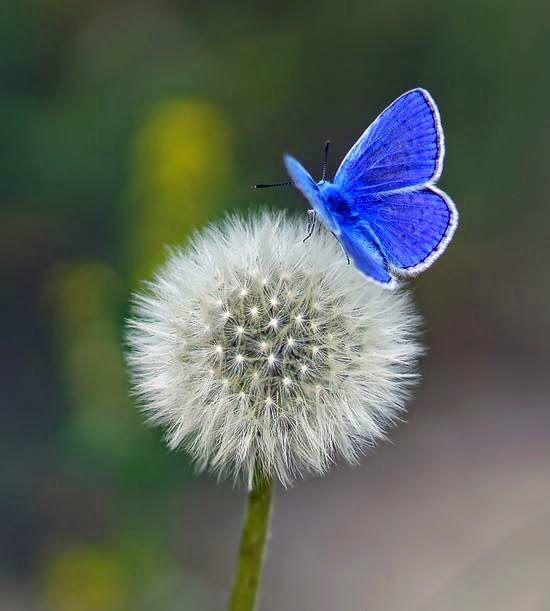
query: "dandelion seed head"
257, 352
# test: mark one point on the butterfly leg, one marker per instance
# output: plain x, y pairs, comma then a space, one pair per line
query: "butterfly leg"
310, 224
342, 247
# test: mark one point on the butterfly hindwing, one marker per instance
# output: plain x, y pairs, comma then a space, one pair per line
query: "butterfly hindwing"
358, 243
402, 148
412, 228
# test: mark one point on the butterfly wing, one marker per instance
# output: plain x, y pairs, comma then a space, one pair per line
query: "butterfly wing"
358, 242
303, 181
310, 189
402, 149
388, 178
412, 228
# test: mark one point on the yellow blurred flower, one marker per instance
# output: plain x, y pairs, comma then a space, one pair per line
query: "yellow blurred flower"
182, 164
87, 579
85, 298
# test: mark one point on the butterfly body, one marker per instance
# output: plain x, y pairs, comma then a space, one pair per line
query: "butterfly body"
335, 209
383, 204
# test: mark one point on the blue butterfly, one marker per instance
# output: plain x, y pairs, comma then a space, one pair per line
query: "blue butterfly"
383, 205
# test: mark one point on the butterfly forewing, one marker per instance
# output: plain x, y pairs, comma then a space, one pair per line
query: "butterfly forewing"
302, 180
403, 148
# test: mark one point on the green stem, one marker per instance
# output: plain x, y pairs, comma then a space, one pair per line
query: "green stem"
251, 551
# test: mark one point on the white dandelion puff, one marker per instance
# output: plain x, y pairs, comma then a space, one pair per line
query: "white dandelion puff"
258, 353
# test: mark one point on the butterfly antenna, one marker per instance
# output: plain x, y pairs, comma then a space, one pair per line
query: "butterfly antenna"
274, 184
325, 159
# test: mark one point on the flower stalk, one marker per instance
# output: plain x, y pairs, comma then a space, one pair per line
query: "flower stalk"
252, 547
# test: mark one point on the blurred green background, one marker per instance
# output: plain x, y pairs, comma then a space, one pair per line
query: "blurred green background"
125, 125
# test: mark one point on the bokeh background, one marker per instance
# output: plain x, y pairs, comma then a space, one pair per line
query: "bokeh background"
125, 125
